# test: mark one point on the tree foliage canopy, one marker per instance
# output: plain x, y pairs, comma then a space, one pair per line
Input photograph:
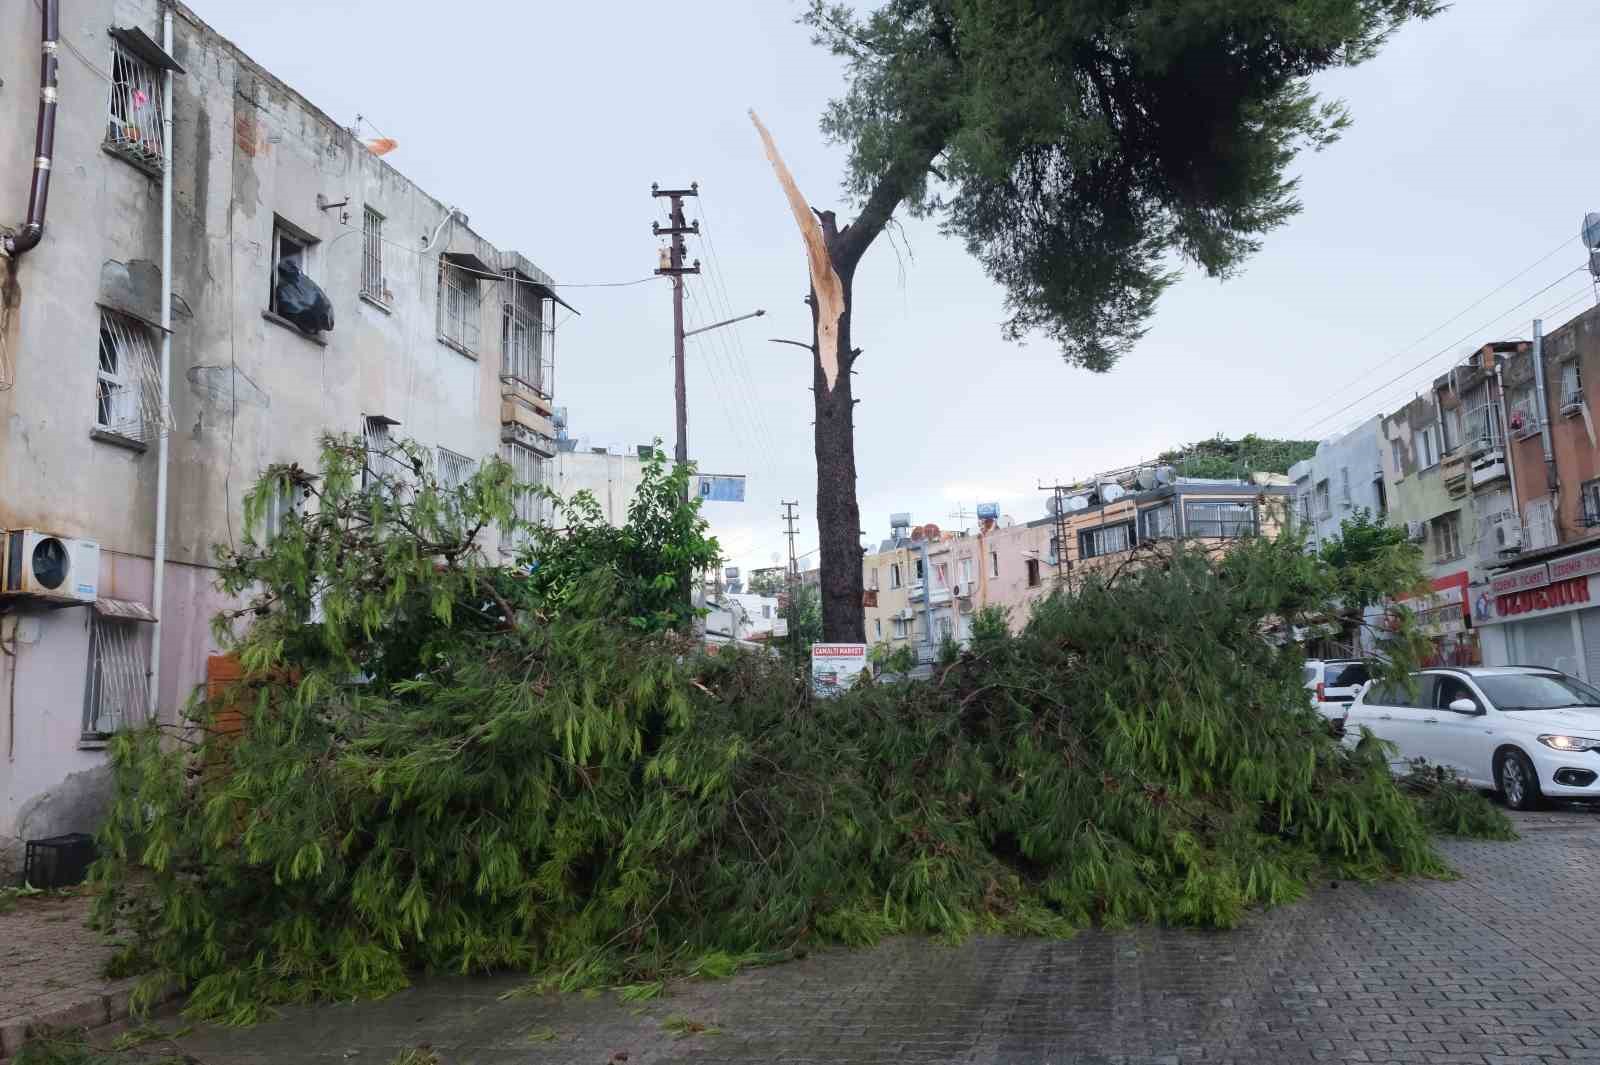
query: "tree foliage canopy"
1081, 148
451, 767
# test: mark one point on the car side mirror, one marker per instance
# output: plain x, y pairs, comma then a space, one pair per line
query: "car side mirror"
1464, 706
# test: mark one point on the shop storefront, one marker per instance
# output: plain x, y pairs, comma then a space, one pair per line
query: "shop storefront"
1444, 616
1544, 615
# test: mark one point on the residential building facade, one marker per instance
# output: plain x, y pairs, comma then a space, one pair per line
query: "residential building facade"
427, 331
1344, 478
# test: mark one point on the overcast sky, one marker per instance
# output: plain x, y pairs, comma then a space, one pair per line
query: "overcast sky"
1473, 156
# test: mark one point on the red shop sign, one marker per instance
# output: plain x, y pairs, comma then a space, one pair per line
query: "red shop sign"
1562, 593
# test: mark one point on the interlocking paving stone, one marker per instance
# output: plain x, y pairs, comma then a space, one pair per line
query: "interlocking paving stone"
1499, 966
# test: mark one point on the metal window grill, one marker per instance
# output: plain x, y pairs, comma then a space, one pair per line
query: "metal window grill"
454, 469
372, 254
128, 380
528, 468
527, 349
384, 461
460, 307
133, 120
117, 695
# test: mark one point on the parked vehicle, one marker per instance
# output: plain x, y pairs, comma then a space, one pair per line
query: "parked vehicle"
1527, 732
1334, 684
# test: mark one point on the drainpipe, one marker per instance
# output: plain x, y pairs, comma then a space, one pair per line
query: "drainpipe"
158, 572
44, 137
927, 595
1544, 406
1505, 429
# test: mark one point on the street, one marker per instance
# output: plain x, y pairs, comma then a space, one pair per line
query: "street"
1492, 968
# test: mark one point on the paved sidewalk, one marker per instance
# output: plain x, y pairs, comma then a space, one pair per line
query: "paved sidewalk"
50, 969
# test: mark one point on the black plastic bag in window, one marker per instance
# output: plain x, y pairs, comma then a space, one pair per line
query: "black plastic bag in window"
301, 301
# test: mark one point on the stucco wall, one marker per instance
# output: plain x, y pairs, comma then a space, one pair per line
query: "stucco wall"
246, 392
611, 479
1355, 454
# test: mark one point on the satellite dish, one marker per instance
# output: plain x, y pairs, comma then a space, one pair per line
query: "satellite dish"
1052, 506
1145, 479
1110, 492
1077, 503
1163, 475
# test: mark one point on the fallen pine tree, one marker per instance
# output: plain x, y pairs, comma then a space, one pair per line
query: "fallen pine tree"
531, 770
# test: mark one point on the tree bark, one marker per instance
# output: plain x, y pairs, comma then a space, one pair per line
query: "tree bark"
838, 513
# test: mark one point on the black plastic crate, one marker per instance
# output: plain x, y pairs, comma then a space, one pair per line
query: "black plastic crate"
57, 862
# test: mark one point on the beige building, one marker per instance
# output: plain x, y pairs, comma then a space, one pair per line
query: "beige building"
922, 580
429, 332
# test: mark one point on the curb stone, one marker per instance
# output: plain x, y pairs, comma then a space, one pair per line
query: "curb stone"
108, 1006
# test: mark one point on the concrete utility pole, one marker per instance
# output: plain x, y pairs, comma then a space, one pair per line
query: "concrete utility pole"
673, 267
792, 580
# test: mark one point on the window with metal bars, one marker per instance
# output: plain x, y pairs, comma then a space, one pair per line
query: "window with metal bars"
454, 469
126, 369
528, 468
133, 120
1482, 419
460, 307
117, 693
372, 255
385, 468
521, 337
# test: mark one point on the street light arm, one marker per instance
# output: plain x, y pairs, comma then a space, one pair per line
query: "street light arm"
717, 325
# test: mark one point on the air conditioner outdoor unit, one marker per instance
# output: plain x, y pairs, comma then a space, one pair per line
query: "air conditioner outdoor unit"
42, 565
1508, 534
906, 614
1416, 531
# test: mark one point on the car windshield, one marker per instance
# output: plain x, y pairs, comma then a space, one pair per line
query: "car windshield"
1537, 691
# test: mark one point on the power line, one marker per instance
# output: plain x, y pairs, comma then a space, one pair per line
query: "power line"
1442, 325
1448, 348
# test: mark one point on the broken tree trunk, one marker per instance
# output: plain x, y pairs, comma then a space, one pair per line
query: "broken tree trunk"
832, 259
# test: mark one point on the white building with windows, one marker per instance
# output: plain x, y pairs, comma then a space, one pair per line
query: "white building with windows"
424, 330
1343, 478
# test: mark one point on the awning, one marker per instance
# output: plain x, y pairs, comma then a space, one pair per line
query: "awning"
139, 43
468, 261
123, 610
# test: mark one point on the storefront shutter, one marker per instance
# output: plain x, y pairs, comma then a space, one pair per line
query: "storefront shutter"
1546, 642
1591, 644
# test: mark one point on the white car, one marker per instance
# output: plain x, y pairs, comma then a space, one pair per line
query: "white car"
1525, 732
1334, 684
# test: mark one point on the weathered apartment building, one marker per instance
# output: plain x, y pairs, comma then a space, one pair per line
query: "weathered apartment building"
158, 356
924, 581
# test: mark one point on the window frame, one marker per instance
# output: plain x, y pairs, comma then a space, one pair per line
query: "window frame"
1427, 435
1450, 522
372, 280
460, 285
1322, 493
282, 230
1571, 394
1227, 528
529, 506
1034, 578
1092, 543
895, 577
1149, 514
130, 75
119, 642
994, 563
121, 388
1589, 502
523, 361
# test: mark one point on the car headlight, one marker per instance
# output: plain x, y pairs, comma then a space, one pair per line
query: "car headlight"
1570, 743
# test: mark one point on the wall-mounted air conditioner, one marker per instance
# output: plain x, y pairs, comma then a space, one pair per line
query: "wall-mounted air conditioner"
42, 565
1507, 533
906, 613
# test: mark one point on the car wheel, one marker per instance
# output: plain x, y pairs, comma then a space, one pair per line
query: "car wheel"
1519, 783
